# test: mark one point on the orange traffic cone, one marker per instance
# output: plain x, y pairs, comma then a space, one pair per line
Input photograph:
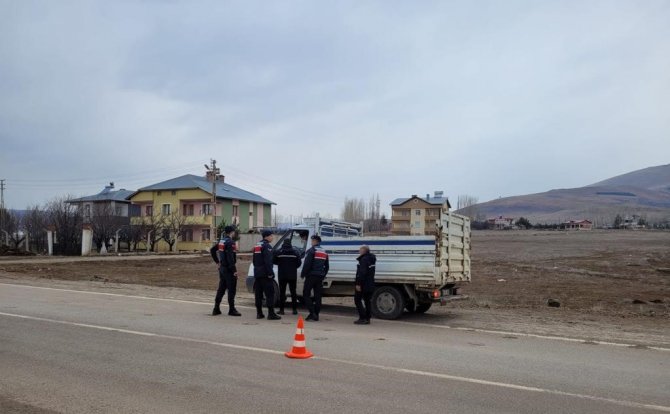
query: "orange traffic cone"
299, 349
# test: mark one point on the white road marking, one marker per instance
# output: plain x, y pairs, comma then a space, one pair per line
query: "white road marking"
141, 333
419, 324
623, 403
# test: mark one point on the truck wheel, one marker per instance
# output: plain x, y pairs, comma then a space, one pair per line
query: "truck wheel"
387, 303
423, 307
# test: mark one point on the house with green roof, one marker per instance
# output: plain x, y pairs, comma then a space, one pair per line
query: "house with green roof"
189, 200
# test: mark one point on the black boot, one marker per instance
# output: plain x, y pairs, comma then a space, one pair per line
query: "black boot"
273, 317
234, 312
260, 316
216, 311
281, 311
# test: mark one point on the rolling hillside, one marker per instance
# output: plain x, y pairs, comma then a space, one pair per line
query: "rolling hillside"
644, 192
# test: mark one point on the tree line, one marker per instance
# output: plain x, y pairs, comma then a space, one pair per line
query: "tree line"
67, 221
357, 210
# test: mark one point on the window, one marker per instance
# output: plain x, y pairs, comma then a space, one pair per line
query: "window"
188, 209
206, 209
205, 234
159, 193
149, 210
174, 192
236, 211
87, 210
187, 235
417, 212
166, 209
299, 239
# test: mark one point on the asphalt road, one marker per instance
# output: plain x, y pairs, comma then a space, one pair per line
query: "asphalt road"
87, 352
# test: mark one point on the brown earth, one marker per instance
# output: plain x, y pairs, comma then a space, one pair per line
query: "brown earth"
611, 285
181, 272
613, 273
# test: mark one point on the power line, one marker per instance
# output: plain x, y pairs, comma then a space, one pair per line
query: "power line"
309, 192
138, 174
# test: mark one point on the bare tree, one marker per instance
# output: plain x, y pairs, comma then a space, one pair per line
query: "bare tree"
135, 234
373, 214
67, 220
467, 205
35, 224
354, 210
105, 221
173, 227
11, 228
152, 229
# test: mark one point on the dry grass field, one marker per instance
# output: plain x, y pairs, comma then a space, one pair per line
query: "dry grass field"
617, 273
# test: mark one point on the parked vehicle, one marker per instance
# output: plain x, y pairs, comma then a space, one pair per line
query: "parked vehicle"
412, 272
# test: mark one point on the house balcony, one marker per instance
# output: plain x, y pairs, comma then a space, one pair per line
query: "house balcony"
199, 220
398, 217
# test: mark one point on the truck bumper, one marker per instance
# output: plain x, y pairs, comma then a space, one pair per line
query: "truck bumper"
446, 299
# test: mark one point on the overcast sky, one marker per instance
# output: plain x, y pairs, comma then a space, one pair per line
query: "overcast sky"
307, 102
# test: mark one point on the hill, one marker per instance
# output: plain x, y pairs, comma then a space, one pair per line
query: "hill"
652, 178
644, 192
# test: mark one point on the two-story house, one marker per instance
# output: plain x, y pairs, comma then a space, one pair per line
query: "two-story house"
190, 198
418, 215
108, 201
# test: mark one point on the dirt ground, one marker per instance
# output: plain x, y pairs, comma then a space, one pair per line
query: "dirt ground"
610, 284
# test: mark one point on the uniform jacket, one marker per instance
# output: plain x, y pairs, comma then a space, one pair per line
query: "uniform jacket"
263, 260
365, 272
288, 261
316, 262
225, 253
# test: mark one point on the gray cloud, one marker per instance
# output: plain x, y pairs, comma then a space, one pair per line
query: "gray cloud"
305, 103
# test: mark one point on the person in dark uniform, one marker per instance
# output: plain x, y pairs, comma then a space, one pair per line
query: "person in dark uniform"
288, 261
224, 255
365, 284
264, 276
314, 271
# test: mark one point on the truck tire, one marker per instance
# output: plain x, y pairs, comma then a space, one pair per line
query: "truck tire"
423, 307
387, 303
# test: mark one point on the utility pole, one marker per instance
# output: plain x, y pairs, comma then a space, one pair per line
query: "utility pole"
2, 205
213, 174
2, 194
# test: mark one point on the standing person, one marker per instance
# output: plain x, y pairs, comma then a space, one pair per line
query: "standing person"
264, 277
224, 255
288, 261
365, 284
314, 271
